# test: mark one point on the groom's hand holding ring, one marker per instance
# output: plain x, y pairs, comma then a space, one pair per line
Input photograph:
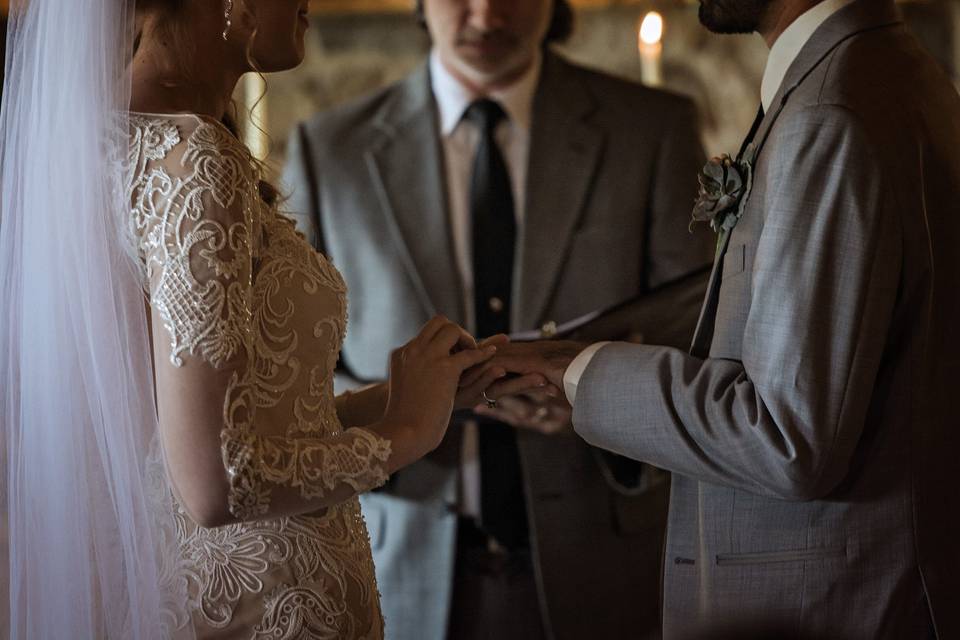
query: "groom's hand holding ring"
485, 384
548, 358
543, 409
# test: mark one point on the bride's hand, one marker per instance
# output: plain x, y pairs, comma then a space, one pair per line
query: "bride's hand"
424, 379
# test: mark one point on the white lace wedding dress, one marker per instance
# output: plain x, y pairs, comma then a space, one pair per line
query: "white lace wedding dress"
238, 291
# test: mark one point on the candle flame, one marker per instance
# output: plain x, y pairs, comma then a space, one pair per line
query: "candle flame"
651, 29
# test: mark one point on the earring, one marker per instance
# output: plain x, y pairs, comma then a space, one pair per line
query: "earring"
228, 18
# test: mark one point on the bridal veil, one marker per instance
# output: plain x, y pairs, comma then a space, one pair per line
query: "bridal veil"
87, 527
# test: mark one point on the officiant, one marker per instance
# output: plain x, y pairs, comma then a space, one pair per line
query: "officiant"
506, 188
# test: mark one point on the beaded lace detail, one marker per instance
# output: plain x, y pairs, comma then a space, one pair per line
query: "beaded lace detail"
239, 290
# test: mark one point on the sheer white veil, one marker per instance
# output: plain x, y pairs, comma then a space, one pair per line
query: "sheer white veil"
89, 528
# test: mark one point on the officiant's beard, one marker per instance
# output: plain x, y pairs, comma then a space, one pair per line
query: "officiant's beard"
733, 16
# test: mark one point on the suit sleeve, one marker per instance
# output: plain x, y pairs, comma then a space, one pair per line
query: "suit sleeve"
783, 422
301, 181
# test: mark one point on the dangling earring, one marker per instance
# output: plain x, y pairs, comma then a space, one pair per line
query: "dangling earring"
228, 18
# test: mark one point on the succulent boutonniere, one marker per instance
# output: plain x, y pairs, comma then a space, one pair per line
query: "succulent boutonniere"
724, 185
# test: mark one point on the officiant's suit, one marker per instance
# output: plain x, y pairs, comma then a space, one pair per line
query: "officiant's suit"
813, 430
610, 180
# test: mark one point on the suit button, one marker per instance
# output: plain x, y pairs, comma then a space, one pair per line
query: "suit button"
549, 330
496, 304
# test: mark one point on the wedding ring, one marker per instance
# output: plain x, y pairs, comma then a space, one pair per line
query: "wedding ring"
541, 413
491, 403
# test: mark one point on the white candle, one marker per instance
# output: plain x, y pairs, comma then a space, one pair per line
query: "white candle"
650, 43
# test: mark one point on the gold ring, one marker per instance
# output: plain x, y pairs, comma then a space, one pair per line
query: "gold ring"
491, 403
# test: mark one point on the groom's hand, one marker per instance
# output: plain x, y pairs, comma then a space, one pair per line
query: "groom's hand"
548, 358
490, 381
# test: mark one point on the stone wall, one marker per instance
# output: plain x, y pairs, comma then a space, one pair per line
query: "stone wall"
353, 54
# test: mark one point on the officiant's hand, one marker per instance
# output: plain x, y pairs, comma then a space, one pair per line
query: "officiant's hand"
548, 358
542, 412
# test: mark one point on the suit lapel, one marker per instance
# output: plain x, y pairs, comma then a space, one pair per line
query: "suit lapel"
565, 149
854, 19
406, 166
703, 334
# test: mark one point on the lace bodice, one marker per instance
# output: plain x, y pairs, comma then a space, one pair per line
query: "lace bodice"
249, 317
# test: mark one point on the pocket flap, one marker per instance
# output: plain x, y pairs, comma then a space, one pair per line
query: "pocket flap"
734, 260
765, 557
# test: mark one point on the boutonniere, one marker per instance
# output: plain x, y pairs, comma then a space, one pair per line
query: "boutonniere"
724, 186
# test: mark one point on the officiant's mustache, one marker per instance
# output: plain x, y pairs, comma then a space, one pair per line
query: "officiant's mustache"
499, 38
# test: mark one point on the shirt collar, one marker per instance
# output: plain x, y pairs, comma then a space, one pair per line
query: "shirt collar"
788, 46
453, 98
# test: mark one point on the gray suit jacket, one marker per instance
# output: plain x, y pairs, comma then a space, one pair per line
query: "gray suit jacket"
813, 431
611, 178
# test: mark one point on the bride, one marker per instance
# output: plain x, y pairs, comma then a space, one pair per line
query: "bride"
175, 460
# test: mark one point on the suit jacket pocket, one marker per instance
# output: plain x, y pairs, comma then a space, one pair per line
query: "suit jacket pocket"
768, 557
734, 261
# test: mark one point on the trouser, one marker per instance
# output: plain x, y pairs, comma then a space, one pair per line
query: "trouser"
494, 592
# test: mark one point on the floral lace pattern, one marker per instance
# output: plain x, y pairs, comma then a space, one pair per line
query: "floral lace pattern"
236, 287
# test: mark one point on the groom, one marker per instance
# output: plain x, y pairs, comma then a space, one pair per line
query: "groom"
813, 428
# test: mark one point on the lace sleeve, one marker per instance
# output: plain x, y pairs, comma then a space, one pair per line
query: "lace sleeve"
221, 388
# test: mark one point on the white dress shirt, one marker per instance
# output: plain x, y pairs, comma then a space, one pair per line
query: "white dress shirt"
782, 54
459, 138
787, 47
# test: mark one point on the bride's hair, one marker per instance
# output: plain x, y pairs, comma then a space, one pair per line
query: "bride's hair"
167, 27
168, 11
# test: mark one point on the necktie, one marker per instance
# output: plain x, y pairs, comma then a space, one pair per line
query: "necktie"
503, 513
494, 223
752, 134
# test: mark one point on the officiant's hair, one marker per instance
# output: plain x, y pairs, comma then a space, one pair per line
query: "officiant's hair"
559, 31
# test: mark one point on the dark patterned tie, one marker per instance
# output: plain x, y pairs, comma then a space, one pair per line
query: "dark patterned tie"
752, 134
494, 237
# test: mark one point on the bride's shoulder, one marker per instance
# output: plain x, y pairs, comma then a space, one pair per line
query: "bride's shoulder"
153, 137
187, 170
185, 140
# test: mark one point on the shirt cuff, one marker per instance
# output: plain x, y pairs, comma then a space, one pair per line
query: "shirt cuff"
571, 377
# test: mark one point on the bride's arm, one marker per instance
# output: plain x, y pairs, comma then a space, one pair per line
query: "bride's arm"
362, 406
224, 462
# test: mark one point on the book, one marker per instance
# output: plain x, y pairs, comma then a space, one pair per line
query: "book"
665, 315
